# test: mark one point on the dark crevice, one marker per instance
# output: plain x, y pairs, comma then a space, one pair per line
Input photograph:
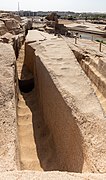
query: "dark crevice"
26, 85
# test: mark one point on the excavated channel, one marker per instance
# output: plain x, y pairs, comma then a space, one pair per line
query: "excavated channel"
36, 147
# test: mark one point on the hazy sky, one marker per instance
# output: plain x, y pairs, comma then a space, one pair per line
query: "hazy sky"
59, 5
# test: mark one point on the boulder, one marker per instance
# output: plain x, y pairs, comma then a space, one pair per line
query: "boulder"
7, 38
3, 28
52, 17
11, 24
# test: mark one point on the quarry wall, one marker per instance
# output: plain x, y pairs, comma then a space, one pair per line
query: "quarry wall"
95, 71
9, 159
10, 45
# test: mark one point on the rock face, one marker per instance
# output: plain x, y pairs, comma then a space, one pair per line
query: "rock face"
52, 17
13, 24
8, 128
93, 63
68, 104
53, 26
13, 30
3, 28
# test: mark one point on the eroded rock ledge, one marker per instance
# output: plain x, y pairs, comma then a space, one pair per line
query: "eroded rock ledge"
8, 124
68, 104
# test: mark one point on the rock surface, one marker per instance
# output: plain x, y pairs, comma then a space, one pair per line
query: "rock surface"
31, 175
13, 24
3, 28
93, 63
8, 127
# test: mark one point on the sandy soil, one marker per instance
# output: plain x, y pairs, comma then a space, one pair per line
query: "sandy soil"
65, 22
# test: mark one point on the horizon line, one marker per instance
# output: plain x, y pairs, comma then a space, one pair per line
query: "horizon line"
55, 11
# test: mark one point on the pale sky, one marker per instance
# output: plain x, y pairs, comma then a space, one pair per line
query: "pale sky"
55, 5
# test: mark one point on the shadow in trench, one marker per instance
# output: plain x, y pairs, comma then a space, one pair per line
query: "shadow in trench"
26, 85
43, 138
